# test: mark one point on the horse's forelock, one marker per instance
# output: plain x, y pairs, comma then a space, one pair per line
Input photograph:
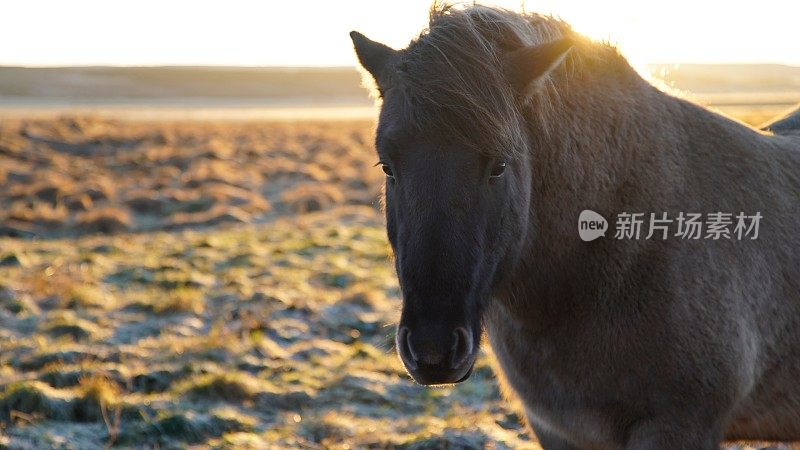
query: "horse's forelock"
452, 78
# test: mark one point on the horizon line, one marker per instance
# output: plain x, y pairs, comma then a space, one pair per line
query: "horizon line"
315, 67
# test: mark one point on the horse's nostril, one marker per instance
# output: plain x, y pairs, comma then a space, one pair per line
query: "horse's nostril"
440, 354
411, 347
462, 347
406, 350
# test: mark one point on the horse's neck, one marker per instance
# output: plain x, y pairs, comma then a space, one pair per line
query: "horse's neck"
615, 146
616, 141
600, 145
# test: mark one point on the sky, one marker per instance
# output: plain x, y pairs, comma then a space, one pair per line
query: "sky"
314, 32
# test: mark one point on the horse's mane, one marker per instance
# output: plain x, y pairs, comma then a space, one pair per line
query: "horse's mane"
452, 78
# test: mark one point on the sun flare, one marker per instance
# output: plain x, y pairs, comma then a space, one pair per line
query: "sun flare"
314, 33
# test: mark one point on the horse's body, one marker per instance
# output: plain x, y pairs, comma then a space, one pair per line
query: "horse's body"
698, 339
609, 344
702, 338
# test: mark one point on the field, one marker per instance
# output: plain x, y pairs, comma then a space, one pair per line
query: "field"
173, 284
227, 285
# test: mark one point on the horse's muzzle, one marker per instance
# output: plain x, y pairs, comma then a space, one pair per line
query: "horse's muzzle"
432, 362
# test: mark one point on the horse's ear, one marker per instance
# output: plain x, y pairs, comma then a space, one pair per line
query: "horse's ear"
373, 56
527, 67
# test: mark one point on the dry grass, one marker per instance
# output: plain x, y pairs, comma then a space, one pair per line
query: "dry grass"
310, 197
95, 176
179, 300
107, 220
67, 325
231, 387
41, 214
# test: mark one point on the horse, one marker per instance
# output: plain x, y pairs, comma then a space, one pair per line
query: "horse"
496, 130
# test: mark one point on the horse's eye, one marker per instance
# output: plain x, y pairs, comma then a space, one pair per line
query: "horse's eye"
387, 170
498, 169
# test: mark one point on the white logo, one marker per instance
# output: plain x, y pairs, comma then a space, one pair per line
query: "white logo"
591, 225
634, 226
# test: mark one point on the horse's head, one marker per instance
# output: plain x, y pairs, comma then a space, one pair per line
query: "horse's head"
454, 147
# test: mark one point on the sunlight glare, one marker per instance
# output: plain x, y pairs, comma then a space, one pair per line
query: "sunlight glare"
314, 32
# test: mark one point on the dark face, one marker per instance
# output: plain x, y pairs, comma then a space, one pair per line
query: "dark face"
456, 219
